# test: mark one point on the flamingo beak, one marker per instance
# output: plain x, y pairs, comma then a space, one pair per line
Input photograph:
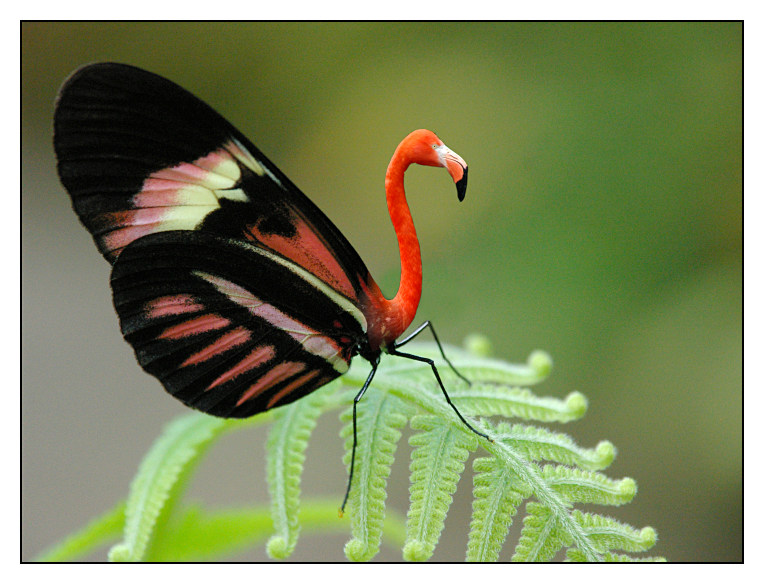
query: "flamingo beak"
456, 167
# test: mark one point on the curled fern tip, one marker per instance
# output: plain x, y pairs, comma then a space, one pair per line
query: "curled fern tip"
277, 548
606, 453
628, 488
415, 551
648, 536
119, 553
478, 345
541, 362
356, 551
577, 404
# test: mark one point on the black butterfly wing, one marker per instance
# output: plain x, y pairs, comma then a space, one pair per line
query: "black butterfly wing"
233, 288
227, 327
140, 155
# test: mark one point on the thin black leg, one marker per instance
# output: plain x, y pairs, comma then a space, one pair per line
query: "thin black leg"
431, 363
356, 399
419, 329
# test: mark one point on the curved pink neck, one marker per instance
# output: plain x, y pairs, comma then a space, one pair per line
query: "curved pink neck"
400, 311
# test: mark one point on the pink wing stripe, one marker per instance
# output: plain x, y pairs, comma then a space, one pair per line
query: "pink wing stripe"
225, 343
148, 217
195, 326
154, 185
307, 250
256, 358
171, 306
210, 171
181, 173
212, 162
236, 293
275, 375
244, 298
311, 340
125, 230
165, 193
123, 227
287, 389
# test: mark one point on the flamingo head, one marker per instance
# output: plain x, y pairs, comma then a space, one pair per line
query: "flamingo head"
424, 147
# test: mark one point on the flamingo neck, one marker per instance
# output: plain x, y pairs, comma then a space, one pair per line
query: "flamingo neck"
400, 311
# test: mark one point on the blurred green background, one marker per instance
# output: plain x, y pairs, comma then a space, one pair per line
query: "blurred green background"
603, 224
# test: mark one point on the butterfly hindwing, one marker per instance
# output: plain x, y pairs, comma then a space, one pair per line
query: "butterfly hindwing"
227, 327
140, 155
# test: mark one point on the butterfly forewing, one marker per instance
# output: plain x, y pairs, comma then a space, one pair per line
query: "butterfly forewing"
229, 328
140, 155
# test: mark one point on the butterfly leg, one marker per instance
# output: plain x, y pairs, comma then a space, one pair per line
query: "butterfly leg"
431, 363
356, 399
419, 329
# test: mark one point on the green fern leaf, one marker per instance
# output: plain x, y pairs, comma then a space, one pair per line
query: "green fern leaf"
541, 537
535, 443
380, 417
581, 486
480, 369
287, 442
440, 451
535, 370
608, 534
200, 535
518, 402
162, 477
498, 495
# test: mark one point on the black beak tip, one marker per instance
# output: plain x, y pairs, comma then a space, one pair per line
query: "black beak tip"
461, 186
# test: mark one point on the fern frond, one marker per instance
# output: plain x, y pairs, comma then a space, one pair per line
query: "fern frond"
498, 495
507, 474
287, 442
534, 443
380, 416
529, 474
437, 462
161, 478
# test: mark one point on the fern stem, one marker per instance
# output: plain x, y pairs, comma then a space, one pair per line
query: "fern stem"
531, 475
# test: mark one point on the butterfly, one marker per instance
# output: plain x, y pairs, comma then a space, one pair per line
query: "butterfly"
235, 291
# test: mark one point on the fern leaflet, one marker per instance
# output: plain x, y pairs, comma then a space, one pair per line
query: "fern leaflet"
380, 418
440, 451
287, 442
